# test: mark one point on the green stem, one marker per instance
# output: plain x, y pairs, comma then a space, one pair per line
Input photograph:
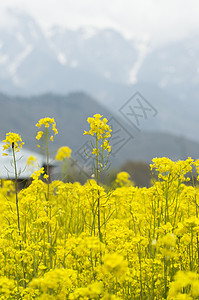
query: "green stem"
140, 263
16, 192
165, 278
48, 195
98, 195
17, 206
47, 150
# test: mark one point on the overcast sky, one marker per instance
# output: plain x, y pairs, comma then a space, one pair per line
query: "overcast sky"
156, 21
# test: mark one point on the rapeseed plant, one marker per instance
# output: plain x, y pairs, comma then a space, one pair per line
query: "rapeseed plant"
12, 140
101, 132
32, 163
63, 154
60, 240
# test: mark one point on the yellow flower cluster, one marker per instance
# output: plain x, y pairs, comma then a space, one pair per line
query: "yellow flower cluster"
7, 287
62, 153
115, 264
31, 161
37, 173
187, 281
101, 130
12, 140
123, 179
148, 247
93, 291
46, 122
55, 282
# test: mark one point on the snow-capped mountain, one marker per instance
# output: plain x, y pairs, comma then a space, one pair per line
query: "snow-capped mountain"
64, 60
175, 68
16, 48
105, 65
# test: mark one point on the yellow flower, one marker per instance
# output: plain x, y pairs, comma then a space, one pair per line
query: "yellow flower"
182, 280
54, 128
39, 135
86, 132
46, 122
14, 140
95, 151
37, 173
63, 152
46, 176
31, 161
115, 264
92, 291
106, 146
101, 130
98, 127
7, 287
122, 178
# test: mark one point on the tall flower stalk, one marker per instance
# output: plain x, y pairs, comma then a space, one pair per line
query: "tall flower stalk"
101, 132
62, 154
14, 140
46, 122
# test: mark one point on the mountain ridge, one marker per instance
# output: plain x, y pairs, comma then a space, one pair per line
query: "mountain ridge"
100, 63
71, 112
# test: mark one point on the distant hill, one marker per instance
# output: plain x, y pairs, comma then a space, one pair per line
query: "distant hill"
148, 145
105, 65
87, 59
71, 112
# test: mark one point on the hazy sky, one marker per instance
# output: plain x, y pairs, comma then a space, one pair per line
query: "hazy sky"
156, 21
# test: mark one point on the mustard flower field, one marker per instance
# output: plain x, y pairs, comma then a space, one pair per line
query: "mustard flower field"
70, 241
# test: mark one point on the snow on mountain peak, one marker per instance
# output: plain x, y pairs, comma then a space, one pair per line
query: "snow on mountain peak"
62, 58
88, 32
19, 59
